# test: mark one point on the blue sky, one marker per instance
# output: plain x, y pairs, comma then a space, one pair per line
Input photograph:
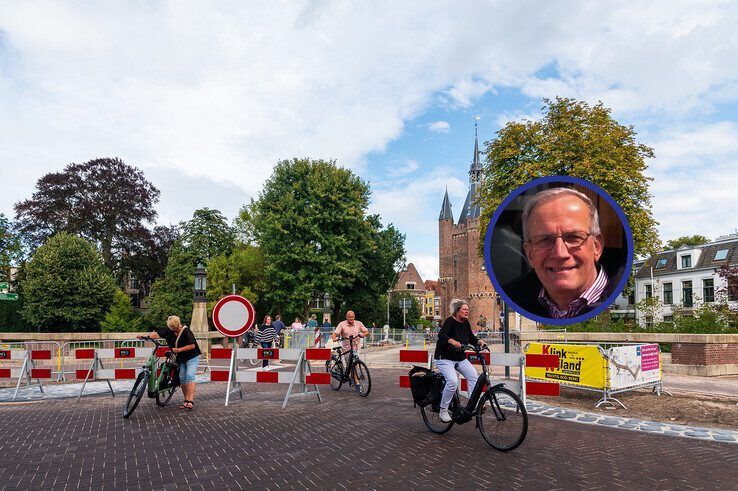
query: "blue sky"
207, 98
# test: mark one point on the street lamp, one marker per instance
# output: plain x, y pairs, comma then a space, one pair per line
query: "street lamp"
201, 283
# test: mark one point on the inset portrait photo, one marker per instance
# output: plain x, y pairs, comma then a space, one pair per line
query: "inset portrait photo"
559, 250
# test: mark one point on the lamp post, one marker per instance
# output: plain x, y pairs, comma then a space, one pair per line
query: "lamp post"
199, 323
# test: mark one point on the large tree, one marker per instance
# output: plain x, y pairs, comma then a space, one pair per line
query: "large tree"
11, 247
689, 240
208, 235
67, 287
311, 226
244, 268
173, 293
104, 200
145, 254
578, 140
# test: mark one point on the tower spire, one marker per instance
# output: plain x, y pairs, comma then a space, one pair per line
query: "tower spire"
446, 212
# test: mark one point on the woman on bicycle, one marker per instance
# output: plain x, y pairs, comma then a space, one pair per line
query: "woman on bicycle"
449, 357
183, 344
265, 336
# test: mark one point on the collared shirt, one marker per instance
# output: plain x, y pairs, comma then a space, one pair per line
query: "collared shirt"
589, 297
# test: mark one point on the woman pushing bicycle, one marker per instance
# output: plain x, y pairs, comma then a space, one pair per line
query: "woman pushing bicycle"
183, 344
449, 357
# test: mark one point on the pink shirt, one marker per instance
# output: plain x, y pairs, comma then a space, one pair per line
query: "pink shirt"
343, 329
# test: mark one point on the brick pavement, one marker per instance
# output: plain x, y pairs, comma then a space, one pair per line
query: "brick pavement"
345, 442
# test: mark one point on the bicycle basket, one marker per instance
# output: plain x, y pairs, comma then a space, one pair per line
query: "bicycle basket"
423, 385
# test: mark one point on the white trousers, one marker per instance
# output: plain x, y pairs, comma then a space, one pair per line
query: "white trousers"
448, 369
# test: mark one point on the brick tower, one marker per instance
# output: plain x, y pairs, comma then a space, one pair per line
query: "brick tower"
461, 269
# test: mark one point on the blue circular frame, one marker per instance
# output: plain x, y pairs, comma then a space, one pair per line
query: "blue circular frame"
517, 192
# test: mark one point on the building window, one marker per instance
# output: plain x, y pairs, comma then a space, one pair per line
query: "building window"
732, 288
649, 291
136, 301
661, 263
687, 293
631, 297
721, 254
649, 321
708, 290
456, 260
455, 286
410, 286
686, 261
668, 294
134, 282
668, 318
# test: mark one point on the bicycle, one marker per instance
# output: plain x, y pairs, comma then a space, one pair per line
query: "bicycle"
355, 372
158, 377
500, 414
249, 342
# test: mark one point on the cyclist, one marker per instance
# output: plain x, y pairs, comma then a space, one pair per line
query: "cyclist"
344, 329
279, 327
449, 357
183, 344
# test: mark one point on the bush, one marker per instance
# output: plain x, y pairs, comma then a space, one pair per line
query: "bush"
121, 317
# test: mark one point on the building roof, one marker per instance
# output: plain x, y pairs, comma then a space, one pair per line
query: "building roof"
705, 261
433, 285
446, 212
409, 275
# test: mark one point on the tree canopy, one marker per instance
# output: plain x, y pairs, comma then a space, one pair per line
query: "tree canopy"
208, 235
11, 248
243, 268
145, 255
690, 240
313, 233
173, 293
578, 140
67, 287
104, 200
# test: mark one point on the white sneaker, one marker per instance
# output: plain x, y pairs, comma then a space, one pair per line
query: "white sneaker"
444, 415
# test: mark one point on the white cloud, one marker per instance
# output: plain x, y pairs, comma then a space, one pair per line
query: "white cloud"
402, 167
439, 127
426, 264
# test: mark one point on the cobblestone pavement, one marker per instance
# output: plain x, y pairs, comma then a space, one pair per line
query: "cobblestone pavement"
345, 442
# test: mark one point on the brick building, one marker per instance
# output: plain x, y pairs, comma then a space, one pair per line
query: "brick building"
462, 270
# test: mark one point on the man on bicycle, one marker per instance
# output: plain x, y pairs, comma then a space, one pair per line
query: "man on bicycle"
449, 357
347, 328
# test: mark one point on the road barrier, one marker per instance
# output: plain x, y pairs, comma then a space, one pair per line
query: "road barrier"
302, 374
522, 386
29, 360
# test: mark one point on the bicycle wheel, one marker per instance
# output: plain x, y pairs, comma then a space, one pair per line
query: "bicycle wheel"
163, 396
254, 361
432, 419
362, 380
335, 368
503, 423
134, 397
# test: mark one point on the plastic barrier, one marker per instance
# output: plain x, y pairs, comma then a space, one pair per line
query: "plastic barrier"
27, 359
522, 386
302, 374
129, 358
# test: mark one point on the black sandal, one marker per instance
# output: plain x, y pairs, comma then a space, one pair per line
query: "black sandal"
191, 405
184, 404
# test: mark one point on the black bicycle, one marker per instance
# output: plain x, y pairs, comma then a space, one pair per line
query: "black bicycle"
249, 341
500, 414
354, 372
160, 379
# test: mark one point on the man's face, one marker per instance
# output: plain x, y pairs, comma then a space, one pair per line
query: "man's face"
350, 316
565, 272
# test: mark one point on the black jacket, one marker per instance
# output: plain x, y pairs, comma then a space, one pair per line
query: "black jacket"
459, 331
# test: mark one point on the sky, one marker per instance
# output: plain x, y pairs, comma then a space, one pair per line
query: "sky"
206, 97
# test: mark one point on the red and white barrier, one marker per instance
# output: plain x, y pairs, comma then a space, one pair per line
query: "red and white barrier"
523, 386
97, 370
302, 374
28, 370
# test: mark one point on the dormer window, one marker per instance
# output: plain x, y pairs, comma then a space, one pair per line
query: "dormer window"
410, 286
721, 254
661, 263
686, 261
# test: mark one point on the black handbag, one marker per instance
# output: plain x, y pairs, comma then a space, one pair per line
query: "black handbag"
426, 386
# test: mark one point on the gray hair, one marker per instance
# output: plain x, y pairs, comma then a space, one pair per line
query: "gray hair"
456, 305
549, 194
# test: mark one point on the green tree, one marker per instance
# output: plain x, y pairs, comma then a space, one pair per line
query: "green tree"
243, 268
573, 139
121, 317
412, 316
311, 227
104, 200
208, 235
689, 240
67, 287
173, 293
11, 247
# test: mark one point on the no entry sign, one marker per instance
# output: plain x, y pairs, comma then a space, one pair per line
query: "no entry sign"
233, 315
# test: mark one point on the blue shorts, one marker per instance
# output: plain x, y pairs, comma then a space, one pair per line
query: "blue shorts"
188, 370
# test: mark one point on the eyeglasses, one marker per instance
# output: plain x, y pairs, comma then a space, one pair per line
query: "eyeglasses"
543, 243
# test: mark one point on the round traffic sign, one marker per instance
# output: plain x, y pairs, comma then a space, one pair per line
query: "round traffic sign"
233, 315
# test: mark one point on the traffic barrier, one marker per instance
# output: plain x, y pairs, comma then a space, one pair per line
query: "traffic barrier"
124, 356
22, 363
302, 374
522, 386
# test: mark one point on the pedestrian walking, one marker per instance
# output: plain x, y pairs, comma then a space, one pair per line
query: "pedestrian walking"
265, 336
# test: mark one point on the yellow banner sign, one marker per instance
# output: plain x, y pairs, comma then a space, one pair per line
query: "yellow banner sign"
579, 364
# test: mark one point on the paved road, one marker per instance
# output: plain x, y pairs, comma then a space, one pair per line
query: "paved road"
345, 442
